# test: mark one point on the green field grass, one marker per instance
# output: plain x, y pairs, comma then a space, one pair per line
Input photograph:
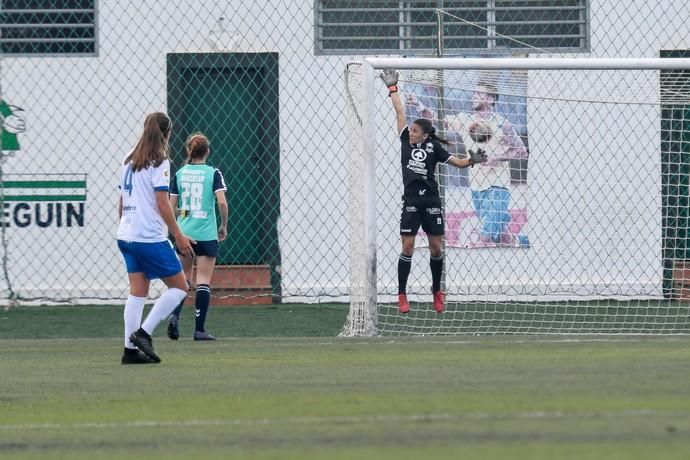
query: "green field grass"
303, 393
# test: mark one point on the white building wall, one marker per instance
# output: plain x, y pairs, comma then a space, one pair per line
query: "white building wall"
84, 113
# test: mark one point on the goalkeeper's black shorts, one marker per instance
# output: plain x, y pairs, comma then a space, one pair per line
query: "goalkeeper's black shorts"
425, 212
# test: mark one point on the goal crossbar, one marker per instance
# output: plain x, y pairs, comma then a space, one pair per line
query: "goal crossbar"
530, 63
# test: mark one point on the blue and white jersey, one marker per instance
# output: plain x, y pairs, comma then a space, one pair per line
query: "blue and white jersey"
141, 221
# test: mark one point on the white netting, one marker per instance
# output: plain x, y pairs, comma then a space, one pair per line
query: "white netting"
593, 235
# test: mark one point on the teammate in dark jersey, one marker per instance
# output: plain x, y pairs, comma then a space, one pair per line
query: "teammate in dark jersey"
195, 192
420, 151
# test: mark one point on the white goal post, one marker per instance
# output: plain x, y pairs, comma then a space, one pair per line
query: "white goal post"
594, 158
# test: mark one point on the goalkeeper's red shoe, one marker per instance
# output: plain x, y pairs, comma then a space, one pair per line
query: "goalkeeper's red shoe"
403, 304
438, 301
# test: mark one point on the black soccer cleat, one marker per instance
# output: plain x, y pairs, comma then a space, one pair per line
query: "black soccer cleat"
134, 356
173, 328
144, 342
200, 335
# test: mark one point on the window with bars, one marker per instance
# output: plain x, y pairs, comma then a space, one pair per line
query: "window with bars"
467, 26
48, 27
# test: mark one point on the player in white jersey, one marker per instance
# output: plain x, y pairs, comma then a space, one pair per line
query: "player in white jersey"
146, 217
490, 181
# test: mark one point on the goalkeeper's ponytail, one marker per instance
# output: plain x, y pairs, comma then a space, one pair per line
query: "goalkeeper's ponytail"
428, 128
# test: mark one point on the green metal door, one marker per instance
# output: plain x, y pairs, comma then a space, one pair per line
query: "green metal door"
233, 100
222, 104
675, 175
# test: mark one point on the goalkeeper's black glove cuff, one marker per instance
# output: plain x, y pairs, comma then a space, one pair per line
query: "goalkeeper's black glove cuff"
392, 89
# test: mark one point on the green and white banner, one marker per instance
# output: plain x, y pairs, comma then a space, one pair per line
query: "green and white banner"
43, 188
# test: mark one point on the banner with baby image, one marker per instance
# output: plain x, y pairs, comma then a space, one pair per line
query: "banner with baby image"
486, 206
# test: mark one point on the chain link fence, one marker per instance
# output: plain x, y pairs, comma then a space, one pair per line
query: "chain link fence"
264, 81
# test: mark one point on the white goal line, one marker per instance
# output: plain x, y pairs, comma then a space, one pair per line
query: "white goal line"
366, 419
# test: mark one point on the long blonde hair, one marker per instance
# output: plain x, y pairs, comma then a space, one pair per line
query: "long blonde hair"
197, 146
152, 147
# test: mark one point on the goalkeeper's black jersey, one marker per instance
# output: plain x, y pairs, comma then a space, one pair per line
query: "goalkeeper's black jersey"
419, 165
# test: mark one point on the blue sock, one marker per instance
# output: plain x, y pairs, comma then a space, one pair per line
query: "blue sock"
203, 299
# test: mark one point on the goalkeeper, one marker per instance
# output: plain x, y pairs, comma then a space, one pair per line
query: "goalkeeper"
420, 150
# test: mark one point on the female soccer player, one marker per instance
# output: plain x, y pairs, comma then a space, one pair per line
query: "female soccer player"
144, 211
420, 151
195, 189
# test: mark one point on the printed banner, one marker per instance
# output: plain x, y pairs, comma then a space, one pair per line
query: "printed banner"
486, 206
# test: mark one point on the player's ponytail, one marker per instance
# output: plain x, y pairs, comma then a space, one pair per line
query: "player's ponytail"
152, 147
428, 128
197, 147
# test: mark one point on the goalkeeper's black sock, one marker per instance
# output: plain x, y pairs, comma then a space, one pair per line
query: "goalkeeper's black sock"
436, 264
404, 266
203, 299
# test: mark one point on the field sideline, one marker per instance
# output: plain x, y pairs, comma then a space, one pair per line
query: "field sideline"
63, 393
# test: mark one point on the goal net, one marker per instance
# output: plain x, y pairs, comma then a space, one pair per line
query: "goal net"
578, 223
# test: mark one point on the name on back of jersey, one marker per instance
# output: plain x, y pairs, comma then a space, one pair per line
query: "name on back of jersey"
193, 176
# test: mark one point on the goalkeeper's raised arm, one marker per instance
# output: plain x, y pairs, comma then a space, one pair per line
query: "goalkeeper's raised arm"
390, 79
